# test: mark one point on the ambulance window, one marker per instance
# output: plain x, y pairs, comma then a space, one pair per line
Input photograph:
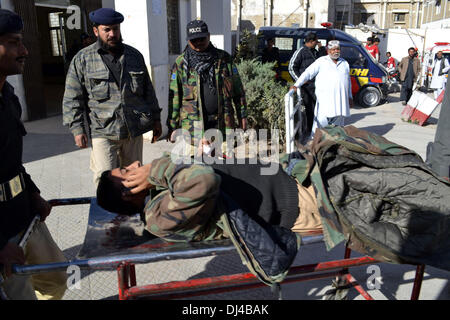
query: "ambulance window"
284, 44
353, 56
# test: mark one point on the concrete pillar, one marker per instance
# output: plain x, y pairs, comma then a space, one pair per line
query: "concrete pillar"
145, 28
108, 4
217, 15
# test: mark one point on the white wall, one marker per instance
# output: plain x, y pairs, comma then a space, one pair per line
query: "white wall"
397, 41
145, 28
320, 11
108, 4
217, 15
441, 24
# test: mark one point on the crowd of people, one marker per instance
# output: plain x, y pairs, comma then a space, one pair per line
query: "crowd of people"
110, 101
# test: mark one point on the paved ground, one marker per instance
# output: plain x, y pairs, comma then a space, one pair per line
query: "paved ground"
62, 171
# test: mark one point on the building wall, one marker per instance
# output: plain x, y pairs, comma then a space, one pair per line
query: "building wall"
382, 12
436, 13
257, 13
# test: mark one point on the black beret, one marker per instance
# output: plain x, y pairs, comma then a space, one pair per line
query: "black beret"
106, 16
10, 22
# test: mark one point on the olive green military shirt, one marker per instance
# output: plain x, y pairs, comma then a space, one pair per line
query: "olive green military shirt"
117, 110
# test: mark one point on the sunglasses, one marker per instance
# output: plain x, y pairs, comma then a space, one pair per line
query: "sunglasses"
198, 40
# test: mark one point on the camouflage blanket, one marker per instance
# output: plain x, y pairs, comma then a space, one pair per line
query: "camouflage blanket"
378, 196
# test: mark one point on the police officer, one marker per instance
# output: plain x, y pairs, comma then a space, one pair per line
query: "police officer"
20, 199
202, 66
110, 80
302, 59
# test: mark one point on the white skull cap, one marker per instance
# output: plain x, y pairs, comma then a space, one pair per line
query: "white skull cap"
333, 44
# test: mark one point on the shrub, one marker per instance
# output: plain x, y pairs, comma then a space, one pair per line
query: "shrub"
265, 96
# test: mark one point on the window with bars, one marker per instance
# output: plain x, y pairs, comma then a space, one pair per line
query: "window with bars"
364, 16
399, 17
342, 16
55, 22
438, 7
173, 26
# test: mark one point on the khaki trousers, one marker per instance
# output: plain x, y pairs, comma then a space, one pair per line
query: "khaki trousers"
110, 154
40, 249
308, 219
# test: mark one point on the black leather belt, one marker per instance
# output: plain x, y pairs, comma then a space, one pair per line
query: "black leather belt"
12, 188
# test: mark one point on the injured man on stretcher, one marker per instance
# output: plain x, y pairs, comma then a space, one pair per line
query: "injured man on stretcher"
350, 184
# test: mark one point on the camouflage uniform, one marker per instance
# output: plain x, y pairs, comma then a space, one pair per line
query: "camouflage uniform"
185, 105
115, 113
186, 200
378, 196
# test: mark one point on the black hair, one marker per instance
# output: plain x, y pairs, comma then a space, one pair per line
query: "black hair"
311, 36
412, 48
109, 197
370, 39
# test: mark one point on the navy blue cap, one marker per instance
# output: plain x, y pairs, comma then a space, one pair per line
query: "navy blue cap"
196, 29
106, 17
10, 22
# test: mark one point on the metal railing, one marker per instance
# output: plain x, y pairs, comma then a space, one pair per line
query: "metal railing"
290, 110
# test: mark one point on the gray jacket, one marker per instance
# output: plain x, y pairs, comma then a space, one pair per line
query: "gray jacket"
114, 112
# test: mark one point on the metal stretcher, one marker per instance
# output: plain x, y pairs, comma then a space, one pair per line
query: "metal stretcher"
120, 243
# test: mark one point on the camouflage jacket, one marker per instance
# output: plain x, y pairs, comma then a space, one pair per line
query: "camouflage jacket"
185, 105
191, 206
378, 196
114, 112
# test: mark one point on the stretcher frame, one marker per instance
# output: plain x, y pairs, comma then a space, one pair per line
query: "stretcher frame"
125, 265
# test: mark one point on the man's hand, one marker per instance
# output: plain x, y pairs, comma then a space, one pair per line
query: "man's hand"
40, 206
9, 255
81, 141
204, 147
293, 88
157, 131
137, 179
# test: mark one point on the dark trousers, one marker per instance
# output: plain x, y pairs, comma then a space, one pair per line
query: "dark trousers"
309, 101
406, 92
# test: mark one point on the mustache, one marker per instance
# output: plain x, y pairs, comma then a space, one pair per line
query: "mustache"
22, 58
335, 55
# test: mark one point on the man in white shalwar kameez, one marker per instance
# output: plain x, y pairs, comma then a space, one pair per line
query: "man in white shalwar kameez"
333, 88
440, 69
